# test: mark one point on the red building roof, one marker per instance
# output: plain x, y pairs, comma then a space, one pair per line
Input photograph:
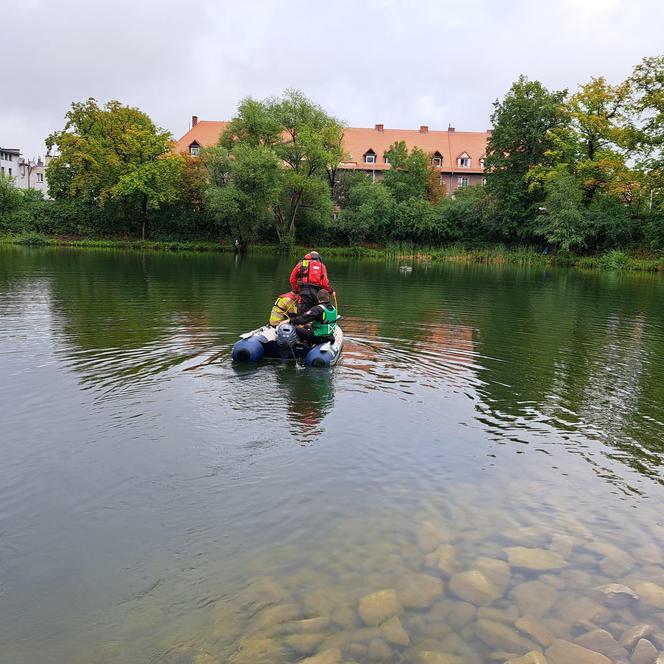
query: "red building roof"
450, 144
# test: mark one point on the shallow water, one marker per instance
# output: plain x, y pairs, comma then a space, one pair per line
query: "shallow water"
158, 504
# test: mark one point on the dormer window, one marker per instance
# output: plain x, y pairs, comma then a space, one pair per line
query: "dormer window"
194, 149
437, 159
386, 158
482, 160
370, 157
463, 160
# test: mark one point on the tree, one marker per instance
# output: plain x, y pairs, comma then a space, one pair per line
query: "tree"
243, 187
563, 223
113, 153
412, 174
307, 144
368, 212
520, 141
10, 196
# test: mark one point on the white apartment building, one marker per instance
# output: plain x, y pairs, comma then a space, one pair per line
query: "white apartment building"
27, 173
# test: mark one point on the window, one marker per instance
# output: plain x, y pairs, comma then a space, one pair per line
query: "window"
441, 180
386, 159
194, 149
463, 162
437, 160
462, 182
10, 171
370, 157
40, 177
483, 181
482, 162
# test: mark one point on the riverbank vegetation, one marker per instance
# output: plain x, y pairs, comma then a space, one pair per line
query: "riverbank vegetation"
572, 178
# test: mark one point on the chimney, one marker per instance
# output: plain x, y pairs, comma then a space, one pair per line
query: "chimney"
194, 121
450, 128
424, 129
380, 127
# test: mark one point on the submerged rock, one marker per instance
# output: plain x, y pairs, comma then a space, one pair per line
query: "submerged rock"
429, 535
565, 652
536, 560
258, 651
331, 656
376, 608
535, 598
393, 632
434, 657
603, 642
651, 595
307, 626
533, 657
644, 653
379, 651
500, 636
419, 591
617, 595
535, 630
632, 635
304, 644
474, 587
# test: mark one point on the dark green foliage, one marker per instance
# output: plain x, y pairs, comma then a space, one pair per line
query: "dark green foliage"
521, 138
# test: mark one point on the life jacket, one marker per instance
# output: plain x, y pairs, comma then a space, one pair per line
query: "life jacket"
311, 273
328, 325
285, 304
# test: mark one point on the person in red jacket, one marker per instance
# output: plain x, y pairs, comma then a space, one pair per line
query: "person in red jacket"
307, 278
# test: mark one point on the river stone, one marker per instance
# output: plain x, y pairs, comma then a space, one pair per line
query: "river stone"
580, 610
331, 656
418, 591
498, 635
497, 571
536, 560
617, 595
322, 601
535, 630
644, 653
393, 632
344, 617
603, 642
258, 651
562, 544
277, 615
433, 657
308, 626
533, 657
461, 613
376, 608
650, 594
564, 652
429, 535
262, 593
305, 644
492, 613
535, 598
445, 559
379, 651
632, 634
474, 587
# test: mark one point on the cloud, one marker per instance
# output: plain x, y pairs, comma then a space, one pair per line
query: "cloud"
400, 62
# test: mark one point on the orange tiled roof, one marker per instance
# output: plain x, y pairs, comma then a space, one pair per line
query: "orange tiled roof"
206, 133
358, 140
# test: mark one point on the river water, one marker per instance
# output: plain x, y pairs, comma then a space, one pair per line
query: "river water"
460, 488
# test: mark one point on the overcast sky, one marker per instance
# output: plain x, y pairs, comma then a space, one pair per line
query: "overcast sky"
399, 62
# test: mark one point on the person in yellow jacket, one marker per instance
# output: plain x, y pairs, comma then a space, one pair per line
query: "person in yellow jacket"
286, 304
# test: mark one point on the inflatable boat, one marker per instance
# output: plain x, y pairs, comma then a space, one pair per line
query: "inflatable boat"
281, 342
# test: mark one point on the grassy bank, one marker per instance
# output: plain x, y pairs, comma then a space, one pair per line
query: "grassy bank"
493, 255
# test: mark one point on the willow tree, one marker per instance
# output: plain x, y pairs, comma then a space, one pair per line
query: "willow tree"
306, 143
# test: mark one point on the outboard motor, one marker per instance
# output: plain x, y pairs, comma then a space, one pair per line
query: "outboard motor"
286, 338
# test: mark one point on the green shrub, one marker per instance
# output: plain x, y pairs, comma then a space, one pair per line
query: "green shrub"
614, 260
33, 239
